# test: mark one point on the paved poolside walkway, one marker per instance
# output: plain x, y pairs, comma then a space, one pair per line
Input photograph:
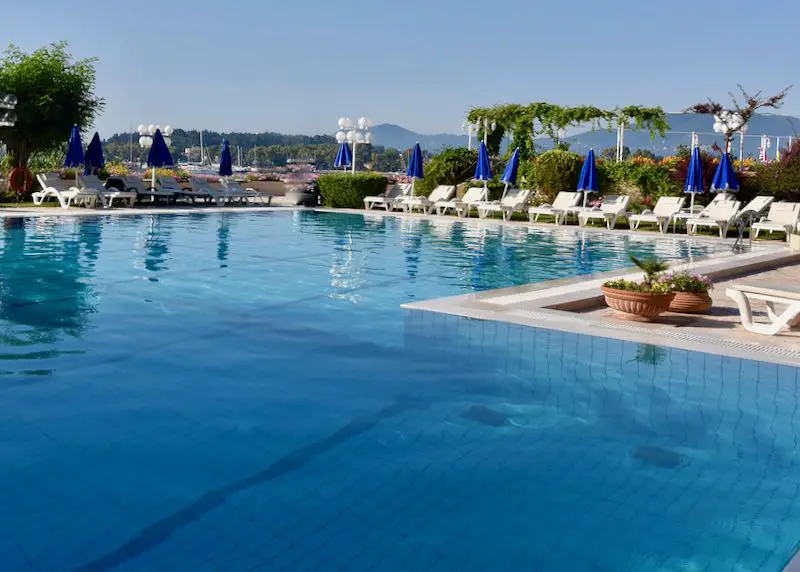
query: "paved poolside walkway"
723, 319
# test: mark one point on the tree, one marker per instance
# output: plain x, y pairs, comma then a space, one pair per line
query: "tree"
54, 92
733, 119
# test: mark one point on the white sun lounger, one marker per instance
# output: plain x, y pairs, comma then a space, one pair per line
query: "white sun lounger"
226, 195
94, 183
250, 194
666, 208
135, 184
782, 217
563, 201
390, 199
787, 295
612, 207
515, 200
721, 216
426, 204
54, 187
464, 205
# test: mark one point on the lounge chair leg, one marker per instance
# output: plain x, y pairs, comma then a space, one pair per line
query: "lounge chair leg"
789, 317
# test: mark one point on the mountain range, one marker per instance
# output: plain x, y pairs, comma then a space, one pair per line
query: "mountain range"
681, 127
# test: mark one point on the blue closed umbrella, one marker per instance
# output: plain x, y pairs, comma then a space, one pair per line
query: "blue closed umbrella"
588, 180
483, 170
510, 174
725, 178
75, 151
159, 155
694, 177
94, 158
225, 160
343, 158
415, 170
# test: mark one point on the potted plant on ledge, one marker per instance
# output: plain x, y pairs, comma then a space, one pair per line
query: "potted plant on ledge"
691, 292
643, 300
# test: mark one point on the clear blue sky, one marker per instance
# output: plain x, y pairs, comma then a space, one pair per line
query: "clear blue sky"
296, 65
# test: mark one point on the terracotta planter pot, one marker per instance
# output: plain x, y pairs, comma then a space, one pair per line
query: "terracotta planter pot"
690, 303
637, 306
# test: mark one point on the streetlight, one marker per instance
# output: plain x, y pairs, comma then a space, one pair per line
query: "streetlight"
8, 102
355, 133
726, 123
486, 126
146, 133
470, 129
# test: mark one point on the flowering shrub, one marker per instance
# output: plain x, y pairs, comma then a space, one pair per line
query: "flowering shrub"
685, 281
117, 169
651, 282
657, 287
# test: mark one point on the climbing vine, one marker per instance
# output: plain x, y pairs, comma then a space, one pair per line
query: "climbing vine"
526, 122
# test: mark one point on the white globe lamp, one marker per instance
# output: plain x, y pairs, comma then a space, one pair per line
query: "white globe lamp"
168, 130
142, 129
341, 136
168, 141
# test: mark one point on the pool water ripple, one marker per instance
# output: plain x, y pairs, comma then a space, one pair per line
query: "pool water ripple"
220, 391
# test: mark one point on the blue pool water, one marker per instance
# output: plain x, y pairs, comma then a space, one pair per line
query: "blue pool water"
243, 392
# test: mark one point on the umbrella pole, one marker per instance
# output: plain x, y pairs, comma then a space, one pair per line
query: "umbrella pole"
153, 180
505, 190
691, 204
413, 180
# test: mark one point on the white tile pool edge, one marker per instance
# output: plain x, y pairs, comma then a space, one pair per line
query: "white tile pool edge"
531, 305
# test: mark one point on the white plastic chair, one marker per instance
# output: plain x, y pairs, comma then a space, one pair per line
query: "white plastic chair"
563, 201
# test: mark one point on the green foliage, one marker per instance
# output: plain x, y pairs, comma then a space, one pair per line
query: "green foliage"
54, 93
451, 167
610, 153
651, 180
343, 190
651, 267
634, 286
554, 171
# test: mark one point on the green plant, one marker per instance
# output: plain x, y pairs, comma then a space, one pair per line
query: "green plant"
554, 171
343, 190
685, 281
54, 91
652, 268
451, 167
650, 282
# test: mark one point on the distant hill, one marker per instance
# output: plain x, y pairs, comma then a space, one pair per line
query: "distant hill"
681, 127
397, 137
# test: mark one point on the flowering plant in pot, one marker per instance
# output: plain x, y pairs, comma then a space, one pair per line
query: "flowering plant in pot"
691, 292
642, 300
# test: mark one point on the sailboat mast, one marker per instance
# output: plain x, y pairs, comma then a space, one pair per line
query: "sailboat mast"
202, 152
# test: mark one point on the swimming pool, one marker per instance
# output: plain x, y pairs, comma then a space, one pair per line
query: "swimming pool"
243, 392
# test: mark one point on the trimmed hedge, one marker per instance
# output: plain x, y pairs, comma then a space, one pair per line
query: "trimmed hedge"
343, 190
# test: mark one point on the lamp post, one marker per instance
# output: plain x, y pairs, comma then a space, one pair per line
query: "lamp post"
742, 131
146, 133
355, 133
8, 102
484, 122
727, 123
470, 129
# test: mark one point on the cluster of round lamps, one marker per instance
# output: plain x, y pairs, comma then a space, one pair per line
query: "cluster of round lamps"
146, 133
354, 131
